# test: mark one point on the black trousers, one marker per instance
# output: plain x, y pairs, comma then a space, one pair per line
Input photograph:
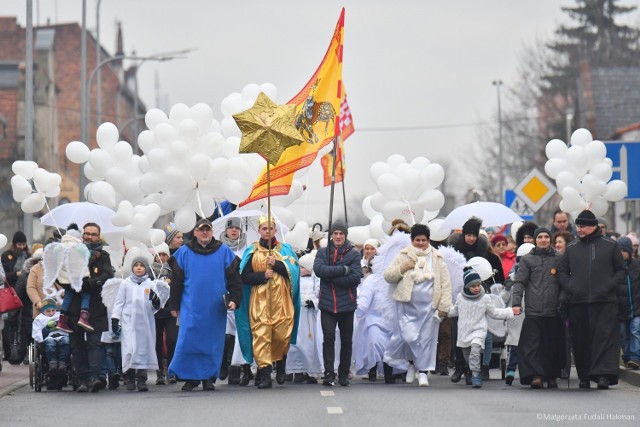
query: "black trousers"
344, 321
594, 334
86, 356
541, 348
168, 326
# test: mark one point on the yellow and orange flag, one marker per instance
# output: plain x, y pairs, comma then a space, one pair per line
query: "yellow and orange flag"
317, 120
346, 129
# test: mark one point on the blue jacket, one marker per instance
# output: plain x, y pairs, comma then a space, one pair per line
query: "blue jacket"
340, 272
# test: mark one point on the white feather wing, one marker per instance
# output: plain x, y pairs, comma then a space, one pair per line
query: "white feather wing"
110, 291
77, 261
162, 290
52, 262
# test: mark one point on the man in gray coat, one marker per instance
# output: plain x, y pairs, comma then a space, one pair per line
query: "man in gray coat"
589, 273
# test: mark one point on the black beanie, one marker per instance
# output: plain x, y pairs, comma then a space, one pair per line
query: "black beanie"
469, 276
586, 217
339, 225
541, 230
19, 237
526, 229
472, 226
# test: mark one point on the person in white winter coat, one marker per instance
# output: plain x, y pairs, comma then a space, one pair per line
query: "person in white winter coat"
472, 308
133, 317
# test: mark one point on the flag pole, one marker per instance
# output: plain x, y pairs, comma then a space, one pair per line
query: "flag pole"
344, 193
269, 200
333, 180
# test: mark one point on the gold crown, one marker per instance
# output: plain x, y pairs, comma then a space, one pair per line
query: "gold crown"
263, 220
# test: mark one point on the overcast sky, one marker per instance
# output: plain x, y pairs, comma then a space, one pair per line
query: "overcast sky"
408, 63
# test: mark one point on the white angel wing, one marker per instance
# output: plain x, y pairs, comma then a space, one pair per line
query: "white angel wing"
497, 327
52, 261
162, 290
77, 261
455, 263
110, 291
387, 252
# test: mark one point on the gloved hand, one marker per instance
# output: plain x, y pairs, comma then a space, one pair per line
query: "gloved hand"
436, 318
52, 325
309, 304
407, 265
115, 327
152, 295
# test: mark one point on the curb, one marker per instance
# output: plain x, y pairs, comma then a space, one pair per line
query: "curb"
13, 387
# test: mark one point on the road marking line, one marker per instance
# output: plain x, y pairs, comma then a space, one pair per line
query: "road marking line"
327, 393
334, 410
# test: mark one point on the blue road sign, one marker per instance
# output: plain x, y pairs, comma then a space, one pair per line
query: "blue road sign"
512, 201
625, 156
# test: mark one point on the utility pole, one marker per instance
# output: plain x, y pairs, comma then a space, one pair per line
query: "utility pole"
27, 219
498, 84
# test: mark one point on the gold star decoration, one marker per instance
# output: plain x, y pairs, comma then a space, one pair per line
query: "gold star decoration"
268, 128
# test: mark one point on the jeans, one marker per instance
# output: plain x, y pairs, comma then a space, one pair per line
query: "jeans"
513, 358
85, 300
488, 348
112, 358
56, 350
87, 355
630, 339
344, 321
166, 327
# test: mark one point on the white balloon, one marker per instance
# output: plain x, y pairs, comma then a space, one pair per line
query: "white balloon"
154, 117
164, 134
596, 152
378, 200
566, 179
481, 266
411, 183
92, 174
178, 113
107, 135
45, 181
298, 237
104, 194
284, 215
119, 179
359, 234
378, 169
232, 104
177, 179
368, 210
555, 149
553, 167
516, 225
419, 163
21, 188
270, 90
77, 152
235, 191
100, 160
53, 192
433, 175
571, 200
156, 236
3, 241
213, 143
616, 190
599, 206
185, 219
24, 168
231, 147
219, 167
199, 166
603, 171
592, 187
432, 200
581, 137
202, 114
577, 157
146, 141
188, 131
438, 234
122, 152
395, 209
124, 215
389, 185
33, 203
230, 128
395, 160
159, 158
250, 92
376, 229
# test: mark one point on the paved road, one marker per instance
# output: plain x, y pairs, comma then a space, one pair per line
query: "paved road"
362, 404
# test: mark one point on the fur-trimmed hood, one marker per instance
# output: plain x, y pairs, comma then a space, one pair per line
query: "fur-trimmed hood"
456, 241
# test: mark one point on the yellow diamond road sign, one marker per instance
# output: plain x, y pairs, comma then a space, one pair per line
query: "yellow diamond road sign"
535, 189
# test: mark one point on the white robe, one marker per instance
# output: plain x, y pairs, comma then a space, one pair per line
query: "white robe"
135, 312
304, 357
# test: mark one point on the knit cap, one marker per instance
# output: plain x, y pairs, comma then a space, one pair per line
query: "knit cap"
306, 261
472, 226
372, 242
48, 303
625, 245
19, 237
339, 225
144, 260
587, 218
541, 230
171, 231
469, 277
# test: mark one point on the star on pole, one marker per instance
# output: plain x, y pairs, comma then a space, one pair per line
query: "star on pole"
268, 129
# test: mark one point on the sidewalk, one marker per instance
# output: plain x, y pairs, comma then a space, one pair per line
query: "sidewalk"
12, 377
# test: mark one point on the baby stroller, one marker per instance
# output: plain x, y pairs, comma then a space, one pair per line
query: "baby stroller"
39, 371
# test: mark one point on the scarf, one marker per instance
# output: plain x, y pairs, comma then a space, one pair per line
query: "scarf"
469, 295
234, 245
422, 271
138, 279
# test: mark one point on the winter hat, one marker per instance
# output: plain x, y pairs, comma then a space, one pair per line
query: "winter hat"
626, 245
36, 246
526, 229
472, 226
316, 235
37, 254
372, 242
306, 261
203, 222
72, 236
634, 238
541, 230
48, 303
498, 238
19, 237
587, 218
171, 231
602, 221
233, 222
339, 225
144, 260
469, 277
162, 248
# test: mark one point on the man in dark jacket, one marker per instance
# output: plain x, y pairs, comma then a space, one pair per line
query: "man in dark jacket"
590, 272
629, 306
339, 270
86, 353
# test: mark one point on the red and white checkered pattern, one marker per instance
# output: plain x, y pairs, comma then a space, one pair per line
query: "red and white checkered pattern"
346, 121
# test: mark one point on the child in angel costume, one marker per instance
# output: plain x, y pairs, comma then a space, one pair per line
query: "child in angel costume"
137, 298
66, 263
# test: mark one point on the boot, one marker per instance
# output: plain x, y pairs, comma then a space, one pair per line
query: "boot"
114, 381
246, 375
280, 370
373, 374
388, 374
160, 380
63, 324
131, 379
457, 375
234, 375
84, 322
141, 378
468, 377
485, 373
265, 377
229, 344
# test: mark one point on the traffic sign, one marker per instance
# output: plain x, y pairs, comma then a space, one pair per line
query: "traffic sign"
535, 189
624, 154
517, 205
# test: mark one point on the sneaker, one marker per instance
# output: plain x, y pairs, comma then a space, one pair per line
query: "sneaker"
207, 385
476, 381
63, 324
423, 380
467, 377
298, 378
508, 379
457, 375
189, 385
411, 374
83, 322
633, 365
329, 379
160, 378
443, 370
344, 381
96, 385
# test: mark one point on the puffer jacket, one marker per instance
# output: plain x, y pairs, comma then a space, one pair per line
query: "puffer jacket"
629, 292
537, 277
591, 270
340, 272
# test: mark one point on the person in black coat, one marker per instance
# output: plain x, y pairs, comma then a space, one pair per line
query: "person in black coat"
590, 272
629, 306
338, 268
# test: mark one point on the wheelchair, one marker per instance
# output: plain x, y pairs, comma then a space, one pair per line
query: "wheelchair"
39, 371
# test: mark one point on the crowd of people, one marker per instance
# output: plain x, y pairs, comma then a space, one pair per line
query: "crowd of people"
402, 309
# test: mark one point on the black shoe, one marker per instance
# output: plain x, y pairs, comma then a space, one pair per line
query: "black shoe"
131, 384
603, 383
467, 377
97, 385
310, 379
189, 385
265, 378
114, 381
245, 376
160, 380
584, 384
280, 370
207, 385
344, 381
552, 383
227, 354
298, 378
485, 373
329, 379
173, 379
388, 374
234, 375
142, 386
373, 374
457, 375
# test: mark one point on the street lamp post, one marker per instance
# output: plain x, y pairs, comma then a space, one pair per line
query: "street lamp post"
498, 84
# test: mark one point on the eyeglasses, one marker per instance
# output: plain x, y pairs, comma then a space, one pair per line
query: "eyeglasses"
90, 234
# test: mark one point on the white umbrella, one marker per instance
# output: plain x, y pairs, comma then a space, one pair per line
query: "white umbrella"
249, 224
80, 213
492, 215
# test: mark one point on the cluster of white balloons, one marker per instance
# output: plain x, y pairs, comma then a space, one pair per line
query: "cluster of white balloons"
31, 185
406, 190
583, 174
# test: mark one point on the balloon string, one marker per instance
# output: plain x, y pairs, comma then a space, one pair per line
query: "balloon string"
413, 218
55, 224
202, 215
